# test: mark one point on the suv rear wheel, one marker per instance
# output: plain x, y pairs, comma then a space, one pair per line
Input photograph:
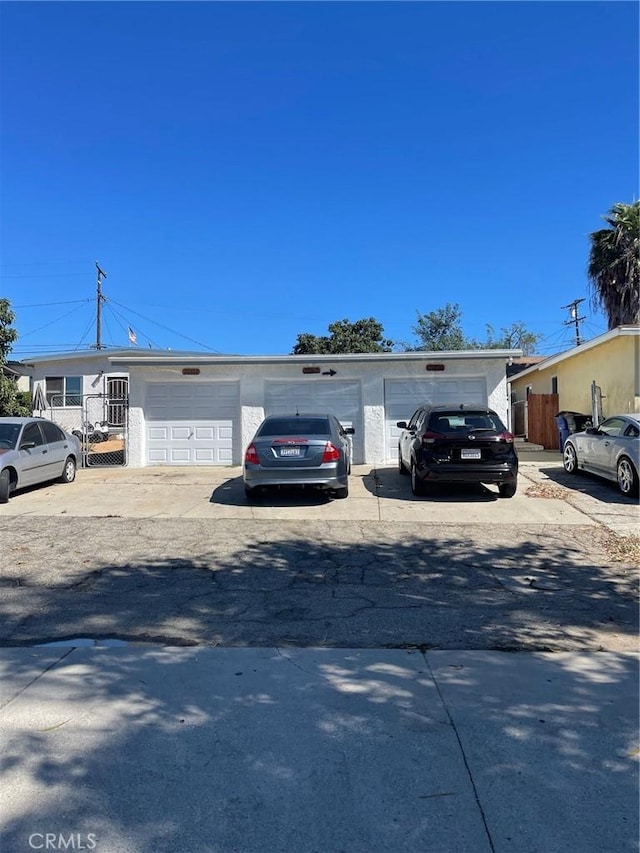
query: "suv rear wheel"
417, 485
507, 490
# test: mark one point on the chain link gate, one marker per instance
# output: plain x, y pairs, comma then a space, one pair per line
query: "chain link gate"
100, 421
105, 429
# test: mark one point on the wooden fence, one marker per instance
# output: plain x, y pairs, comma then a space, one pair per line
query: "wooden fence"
542, 426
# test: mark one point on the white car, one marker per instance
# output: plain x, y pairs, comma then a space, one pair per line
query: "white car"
611, 450
35, 450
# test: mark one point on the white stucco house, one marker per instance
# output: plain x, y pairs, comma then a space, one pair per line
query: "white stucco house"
200, 409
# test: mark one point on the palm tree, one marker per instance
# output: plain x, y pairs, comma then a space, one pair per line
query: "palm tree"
614, 265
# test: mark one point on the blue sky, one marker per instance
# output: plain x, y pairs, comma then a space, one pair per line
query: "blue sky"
245, 172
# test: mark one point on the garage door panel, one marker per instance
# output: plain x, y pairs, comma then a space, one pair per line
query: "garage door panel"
403, 396
340, 398
191, 424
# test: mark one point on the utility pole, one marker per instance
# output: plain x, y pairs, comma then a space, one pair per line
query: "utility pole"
574, 319
99, 300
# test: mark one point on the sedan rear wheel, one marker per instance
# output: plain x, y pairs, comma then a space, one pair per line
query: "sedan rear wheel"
69, 470
341, 493
251, 492
5, 487
570, 458
627, 477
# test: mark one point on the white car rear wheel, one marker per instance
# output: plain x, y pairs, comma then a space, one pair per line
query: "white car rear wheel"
69, 471
627, 477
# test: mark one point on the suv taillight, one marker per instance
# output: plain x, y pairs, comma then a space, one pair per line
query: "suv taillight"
429, 436
251, 455
331, 453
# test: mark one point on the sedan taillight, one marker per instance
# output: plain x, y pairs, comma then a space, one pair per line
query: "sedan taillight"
251, 455
331, 453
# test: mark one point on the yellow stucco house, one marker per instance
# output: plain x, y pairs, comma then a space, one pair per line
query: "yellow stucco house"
601, 377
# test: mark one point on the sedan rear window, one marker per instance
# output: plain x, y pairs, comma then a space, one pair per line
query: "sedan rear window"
295, 426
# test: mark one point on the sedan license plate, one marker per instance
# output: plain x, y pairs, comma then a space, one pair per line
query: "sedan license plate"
290, 451
470, 454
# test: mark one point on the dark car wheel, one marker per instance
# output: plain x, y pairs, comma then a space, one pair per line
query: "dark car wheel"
251, 492
5, 487
402, 468
341, 493
69, 470
417, 486
627, 477
507, 490
570, 458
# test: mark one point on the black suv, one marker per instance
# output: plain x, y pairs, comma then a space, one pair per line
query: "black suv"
457, 444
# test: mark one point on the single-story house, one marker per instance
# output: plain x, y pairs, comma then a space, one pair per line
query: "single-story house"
13, 370
200, 409
599, 378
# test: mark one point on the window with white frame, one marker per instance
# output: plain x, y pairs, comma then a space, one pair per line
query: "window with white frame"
64, 390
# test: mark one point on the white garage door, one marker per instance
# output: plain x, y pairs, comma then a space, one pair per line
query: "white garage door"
191, 424
403, 396
342, 399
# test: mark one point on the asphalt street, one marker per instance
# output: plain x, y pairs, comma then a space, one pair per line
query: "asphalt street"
462, 571
181, 672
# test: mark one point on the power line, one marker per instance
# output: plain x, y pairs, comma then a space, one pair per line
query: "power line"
46, 325
49, 304
127, 325
46, 275
166, 328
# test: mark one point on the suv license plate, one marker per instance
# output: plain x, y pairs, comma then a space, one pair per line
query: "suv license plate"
289, 451
470, 454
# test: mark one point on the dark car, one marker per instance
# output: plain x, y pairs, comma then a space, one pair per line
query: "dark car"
35, 450
299, 450
457, 444
611, 450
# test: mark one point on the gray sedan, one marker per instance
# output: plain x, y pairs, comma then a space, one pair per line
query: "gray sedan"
35, 450
611, 450
299, 450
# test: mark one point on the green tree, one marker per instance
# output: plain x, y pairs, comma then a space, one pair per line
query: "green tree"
440, 330
11, 403
366, 335
515, 336
614, 265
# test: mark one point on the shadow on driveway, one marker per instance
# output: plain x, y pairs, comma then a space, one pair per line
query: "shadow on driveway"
389, 483
588, 484
231, 493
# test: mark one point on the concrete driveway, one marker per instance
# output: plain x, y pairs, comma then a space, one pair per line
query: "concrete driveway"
376, 495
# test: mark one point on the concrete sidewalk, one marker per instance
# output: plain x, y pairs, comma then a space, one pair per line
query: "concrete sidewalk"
146, 750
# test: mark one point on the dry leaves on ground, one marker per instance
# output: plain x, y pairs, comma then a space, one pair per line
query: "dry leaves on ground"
622, 549
547, 490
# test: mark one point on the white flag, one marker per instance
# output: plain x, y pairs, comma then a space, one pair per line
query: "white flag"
132, 335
